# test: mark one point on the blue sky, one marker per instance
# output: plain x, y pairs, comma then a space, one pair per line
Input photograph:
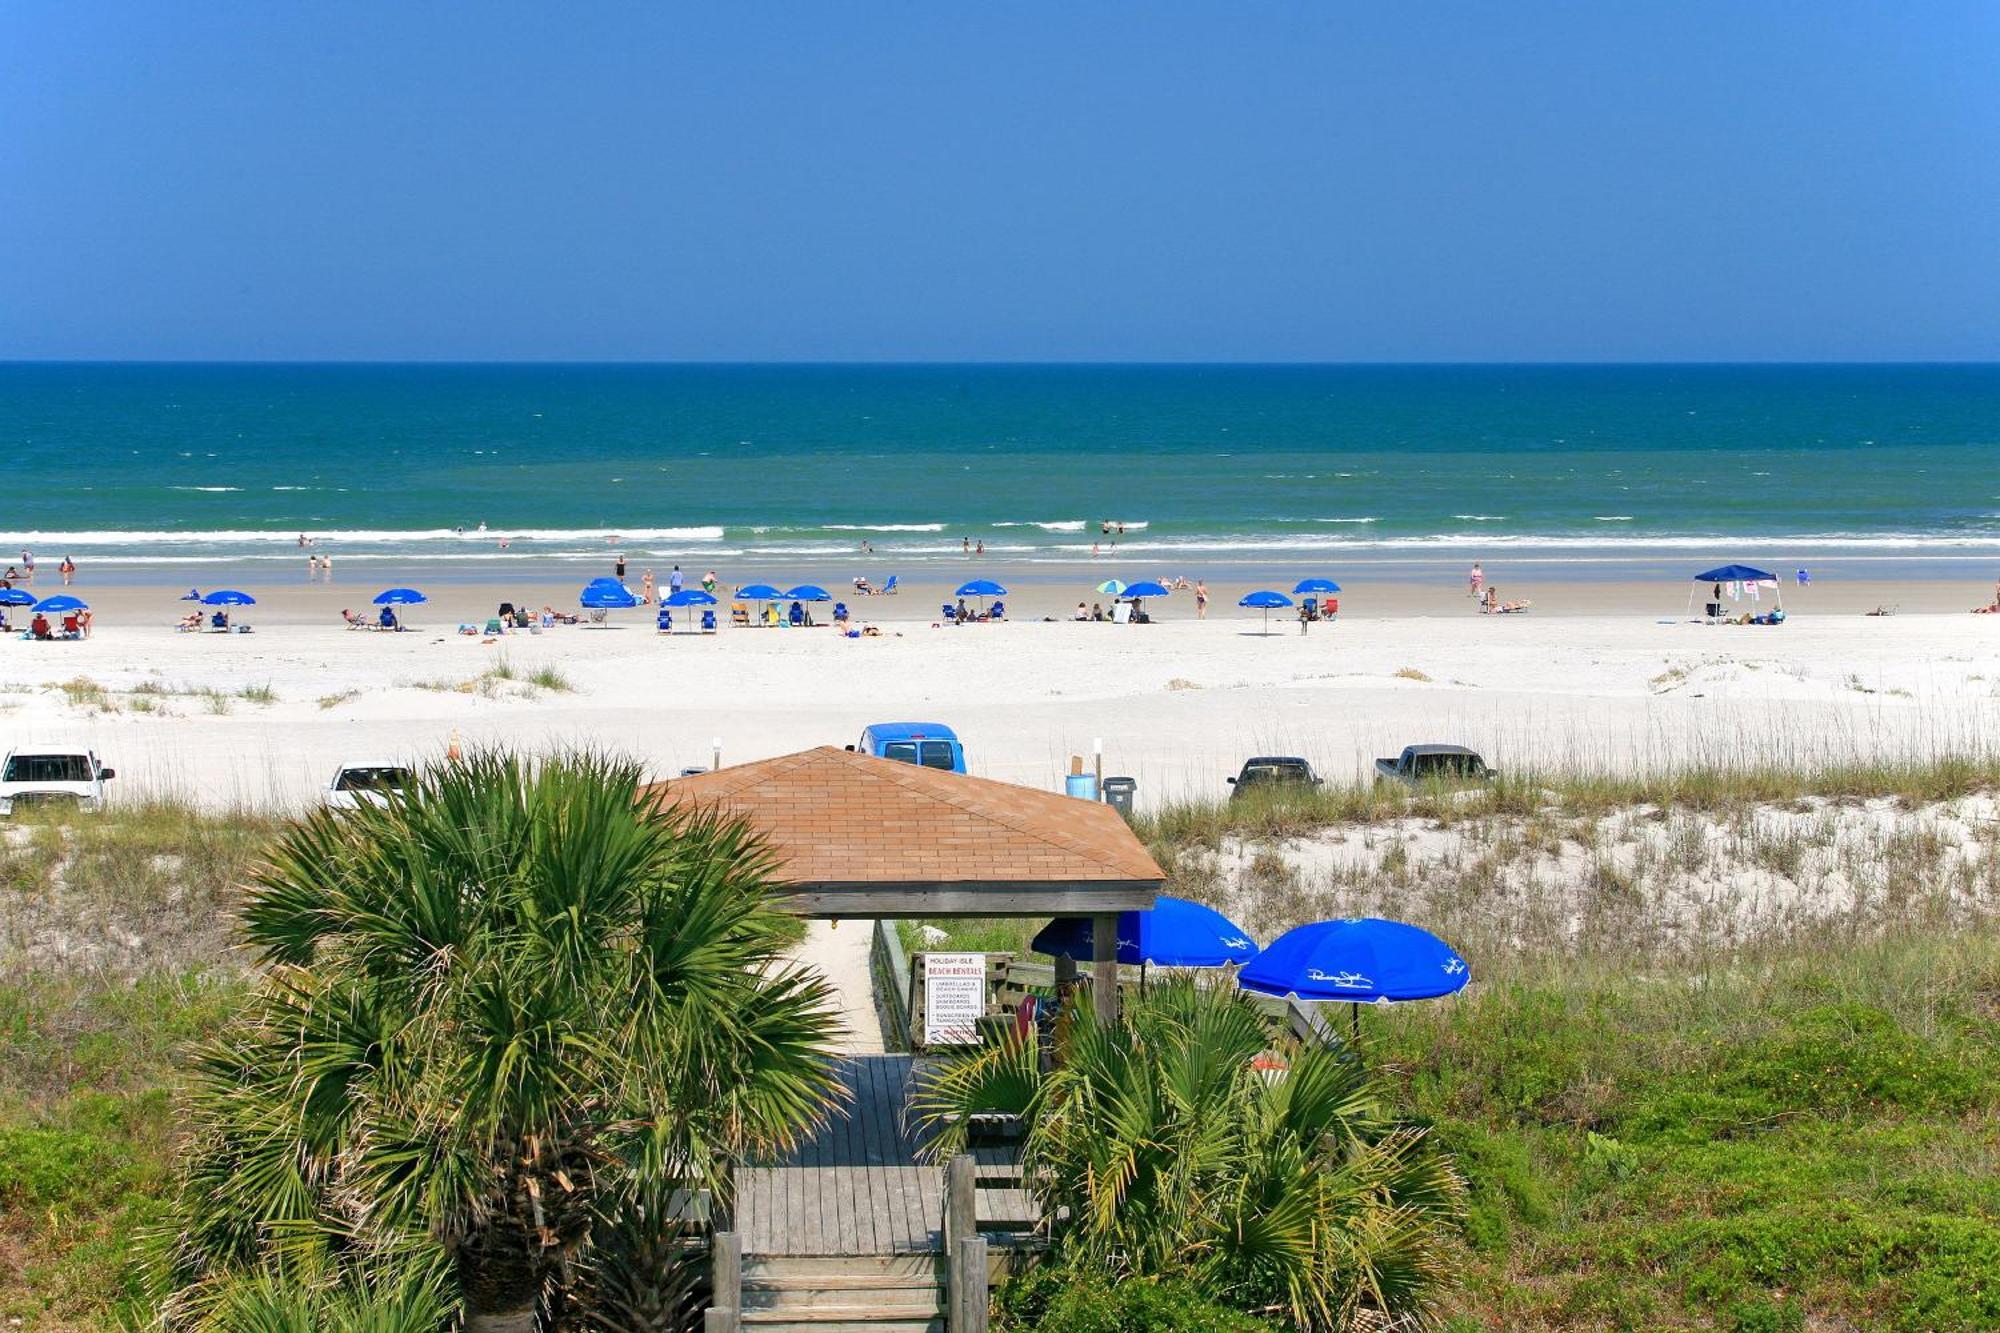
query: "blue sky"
1322, 181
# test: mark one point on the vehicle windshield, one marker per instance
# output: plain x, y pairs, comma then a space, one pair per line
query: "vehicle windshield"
1446, 765
372, 779
48, 768
931, 754
1273, 773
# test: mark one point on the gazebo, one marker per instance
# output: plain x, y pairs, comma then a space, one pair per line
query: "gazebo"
861, 837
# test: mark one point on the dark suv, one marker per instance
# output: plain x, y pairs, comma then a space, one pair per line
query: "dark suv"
1272, 772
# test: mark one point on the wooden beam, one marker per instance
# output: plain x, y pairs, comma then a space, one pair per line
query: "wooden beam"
1003, 899
1104, 970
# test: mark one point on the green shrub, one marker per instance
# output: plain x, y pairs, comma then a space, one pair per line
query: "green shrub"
1055, 1300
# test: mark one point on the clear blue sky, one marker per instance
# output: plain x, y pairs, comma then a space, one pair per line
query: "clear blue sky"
842, 179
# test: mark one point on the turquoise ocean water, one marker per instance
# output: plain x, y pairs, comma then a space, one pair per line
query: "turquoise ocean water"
169, 464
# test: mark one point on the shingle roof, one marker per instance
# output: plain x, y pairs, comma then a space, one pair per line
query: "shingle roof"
835, 817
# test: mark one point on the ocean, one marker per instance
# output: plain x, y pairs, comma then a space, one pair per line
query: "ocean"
169, 465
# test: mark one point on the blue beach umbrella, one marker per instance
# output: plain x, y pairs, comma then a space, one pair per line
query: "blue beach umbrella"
759, 592
1174, 933
400, 597
808, 592
981, 588
1361, 961
1316, 586
61, 602
1111, 587
690, 597
228, 597
1265, 601
1146, 589
16, 597
607, 595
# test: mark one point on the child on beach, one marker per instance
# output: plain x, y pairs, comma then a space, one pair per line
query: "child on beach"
1475, 580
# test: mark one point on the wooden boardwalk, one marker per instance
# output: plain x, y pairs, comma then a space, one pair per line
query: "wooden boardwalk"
858, 1187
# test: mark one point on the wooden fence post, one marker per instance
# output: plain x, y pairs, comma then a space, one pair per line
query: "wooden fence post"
725, 1256
969, 1298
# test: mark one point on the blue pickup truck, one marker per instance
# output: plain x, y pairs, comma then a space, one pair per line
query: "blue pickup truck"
931, 744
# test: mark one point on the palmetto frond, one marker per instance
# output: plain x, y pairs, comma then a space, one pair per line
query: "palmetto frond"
1157, 1147
506, 996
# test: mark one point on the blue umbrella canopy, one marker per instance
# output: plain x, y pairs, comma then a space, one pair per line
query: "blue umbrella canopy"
16, 597
808, 592
1733, 574
607, 595
1265, 601
1316, 586
981, 588
1147, 589
690, 597
400, 597
228, 597
62, 601
1175, 933
1359, 961
759, 592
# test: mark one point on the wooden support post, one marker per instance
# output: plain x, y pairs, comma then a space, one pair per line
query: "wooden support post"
961, 1215
1104, 971
725, 1257
969, 1296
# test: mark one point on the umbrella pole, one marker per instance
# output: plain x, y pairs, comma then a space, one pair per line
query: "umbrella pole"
1356, 1007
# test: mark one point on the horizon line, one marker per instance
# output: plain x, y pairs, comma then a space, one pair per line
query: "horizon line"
993, 363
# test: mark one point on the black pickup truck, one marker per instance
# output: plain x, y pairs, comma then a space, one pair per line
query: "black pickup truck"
1427, 763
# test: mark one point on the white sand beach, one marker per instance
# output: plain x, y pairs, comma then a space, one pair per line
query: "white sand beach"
1599, 676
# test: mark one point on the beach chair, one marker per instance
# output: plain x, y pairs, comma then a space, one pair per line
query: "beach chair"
664, 622
495, 625
949, 614
797, 618
72, 627
771, 617
840, 613
888, 589
708, 620
218, 620
739, 613
999, 611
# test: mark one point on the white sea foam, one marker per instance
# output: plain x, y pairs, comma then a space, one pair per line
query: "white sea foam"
1368, 519
218, 490
356, 536
881, 527
1481, 518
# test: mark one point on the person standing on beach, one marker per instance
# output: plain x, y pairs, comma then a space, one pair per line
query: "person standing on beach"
28, 567
1476, 580
646, 586
67, 569
674, 580
1200, 600
312, 569
618, 567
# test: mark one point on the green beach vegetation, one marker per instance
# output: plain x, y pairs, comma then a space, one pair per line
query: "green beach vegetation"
1789, 1128
1785, 1117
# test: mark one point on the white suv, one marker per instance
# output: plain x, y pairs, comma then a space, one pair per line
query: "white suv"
52, 776
369, 782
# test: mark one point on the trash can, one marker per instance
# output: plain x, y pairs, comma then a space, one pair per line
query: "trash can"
1118, 794
1081, 785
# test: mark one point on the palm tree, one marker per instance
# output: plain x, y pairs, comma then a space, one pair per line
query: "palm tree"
1184, 1140
512, 1024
